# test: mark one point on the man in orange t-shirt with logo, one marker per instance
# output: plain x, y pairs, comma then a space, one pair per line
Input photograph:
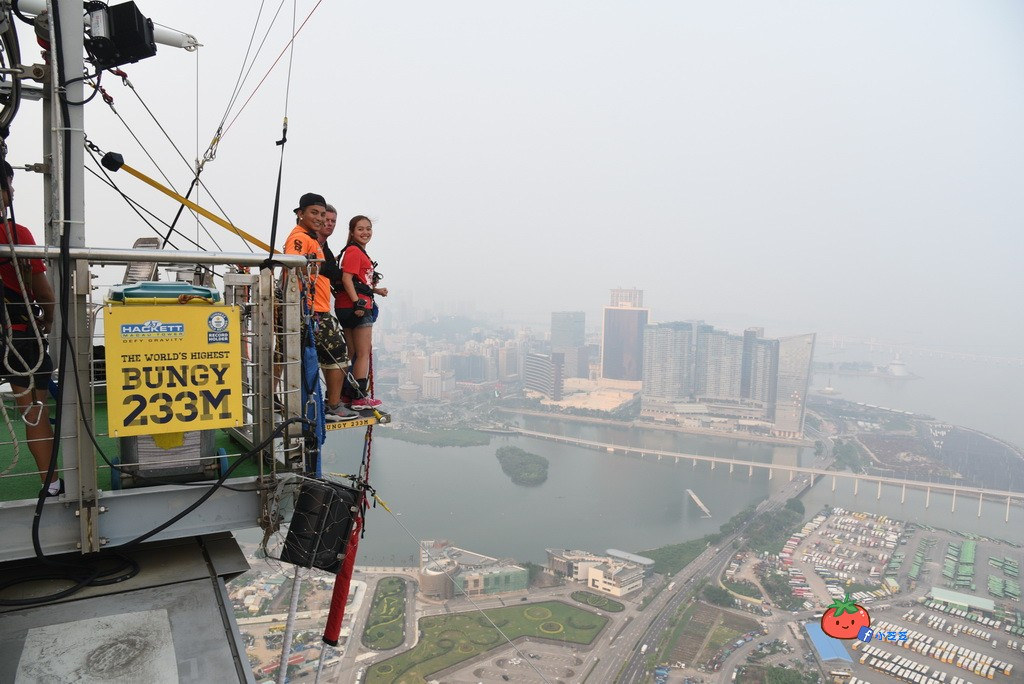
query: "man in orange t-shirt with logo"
327, 337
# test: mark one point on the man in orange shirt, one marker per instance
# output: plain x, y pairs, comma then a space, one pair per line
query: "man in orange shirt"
330, 344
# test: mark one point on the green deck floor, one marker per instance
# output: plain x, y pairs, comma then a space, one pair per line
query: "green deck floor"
20, 481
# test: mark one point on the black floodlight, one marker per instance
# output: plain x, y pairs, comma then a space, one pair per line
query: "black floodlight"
118, 35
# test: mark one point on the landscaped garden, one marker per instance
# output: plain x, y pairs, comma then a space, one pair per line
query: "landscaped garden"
595, 601
385, 626
446, 640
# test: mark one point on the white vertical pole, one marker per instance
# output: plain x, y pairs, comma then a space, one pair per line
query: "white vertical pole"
286, 647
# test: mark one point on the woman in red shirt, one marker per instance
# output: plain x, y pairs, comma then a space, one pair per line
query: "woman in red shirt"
354, 305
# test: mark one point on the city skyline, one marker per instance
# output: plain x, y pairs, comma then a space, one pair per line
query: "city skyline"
802, 169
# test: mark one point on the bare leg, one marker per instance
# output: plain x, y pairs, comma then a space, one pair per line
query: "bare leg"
361, 339
333, 378
39, 435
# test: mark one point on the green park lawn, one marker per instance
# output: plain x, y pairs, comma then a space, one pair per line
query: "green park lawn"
595, 601
447, 640
385, 624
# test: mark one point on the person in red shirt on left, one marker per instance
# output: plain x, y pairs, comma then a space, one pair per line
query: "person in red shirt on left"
25, 362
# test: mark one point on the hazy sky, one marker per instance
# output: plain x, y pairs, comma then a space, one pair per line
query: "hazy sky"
852, 167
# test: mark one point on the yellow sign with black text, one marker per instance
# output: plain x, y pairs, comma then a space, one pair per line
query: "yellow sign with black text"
172, 368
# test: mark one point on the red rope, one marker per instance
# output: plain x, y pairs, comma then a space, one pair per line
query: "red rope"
343, 582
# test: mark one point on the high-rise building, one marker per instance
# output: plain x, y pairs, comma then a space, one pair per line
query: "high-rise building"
508, 361
437, 385
568, 337
667, 361
567, 329
760, 368
794, 380
543, 373
417, 367
718, 364
627, 297
622, 344
469, 367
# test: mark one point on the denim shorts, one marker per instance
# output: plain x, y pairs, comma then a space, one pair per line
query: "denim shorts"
349, 320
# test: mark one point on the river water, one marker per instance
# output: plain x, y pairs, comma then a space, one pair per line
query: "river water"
591, 499
597, 500
973, 392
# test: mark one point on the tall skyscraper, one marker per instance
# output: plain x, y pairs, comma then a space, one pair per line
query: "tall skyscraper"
622, 344
795, 356
718, 364
567, 329
568, 337
667, 361
760, 368
508, 361
627, 297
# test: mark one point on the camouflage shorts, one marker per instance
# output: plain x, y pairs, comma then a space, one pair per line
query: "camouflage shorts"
328, 340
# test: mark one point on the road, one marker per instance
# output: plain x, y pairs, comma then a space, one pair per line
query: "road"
708, 564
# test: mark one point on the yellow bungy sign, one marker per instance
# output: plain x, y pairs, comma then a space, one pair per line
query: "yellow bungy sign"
172, 368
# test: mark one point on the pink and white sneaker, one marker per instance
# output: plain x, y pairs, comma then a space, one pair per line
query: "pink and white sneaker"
365, 403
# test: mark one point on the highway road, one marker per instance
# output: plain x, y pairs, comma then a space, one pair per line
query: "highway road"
708, 564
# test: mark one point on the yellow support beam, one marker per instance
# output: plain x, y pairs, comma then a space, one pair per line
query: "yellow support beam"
198, 209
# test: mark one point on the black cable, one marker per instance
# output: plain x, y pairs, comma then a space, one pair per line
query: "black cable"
96, 89
17, 13
136, 206
82, 576
94, 575
218, 484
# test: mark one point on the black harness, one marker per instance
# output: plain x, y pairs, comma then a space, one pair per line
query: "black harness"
361, 287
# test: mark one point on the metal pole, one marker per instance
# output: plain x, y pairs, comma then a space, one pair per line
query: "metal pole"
286, 647
67, 167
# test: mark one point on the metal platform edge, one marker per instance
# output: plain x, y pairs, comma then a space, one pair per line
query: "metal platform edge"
182, 581
127, 514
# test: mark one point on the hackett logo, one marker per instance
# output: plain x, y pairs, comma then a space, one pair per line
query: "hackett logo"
152, 329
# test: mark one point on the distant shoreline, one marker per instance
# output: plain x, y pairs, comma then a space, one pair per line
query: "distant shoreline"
645, 425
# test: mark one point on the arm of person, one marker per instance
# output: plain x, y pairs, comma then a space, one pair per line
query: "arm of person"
42, 291
348, 283
382, 291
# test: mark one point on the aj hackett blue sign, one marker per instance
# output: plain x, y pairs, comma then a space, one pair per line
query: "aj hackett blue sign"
152, 330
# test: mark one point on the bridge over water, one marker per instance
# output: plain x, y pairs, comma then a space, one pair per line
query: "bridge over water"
793, 470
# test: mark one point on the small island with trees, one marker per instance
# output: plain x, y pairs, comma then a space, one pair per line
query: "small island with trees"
523, 467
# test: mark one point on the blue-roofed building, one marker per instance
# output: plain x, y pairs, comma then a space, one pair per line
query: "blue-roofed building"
825, 647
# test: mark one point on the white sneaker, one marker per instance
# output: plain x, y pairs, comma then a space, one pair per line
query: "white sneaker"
334, 414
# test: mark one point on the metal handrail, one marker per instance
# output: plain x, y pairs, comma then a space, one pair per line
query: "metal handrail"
124, 256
